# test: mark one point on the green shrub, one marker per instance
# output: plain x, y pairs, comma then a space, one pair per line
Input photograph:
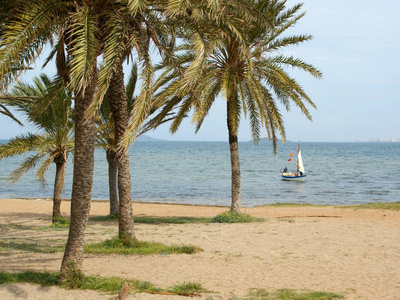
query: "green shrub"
232, 217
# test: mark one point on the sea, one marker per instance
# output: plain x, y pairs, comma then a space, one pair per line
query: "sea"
199, 173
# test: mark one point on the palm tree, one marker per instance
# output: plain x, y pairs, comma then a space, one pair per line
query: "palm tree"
55, 140
106, 136
250, 75
136, 32
105, 139
75, 27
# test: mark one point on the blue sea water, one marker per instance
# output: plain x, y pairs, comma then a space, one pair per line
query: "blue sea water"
199, 173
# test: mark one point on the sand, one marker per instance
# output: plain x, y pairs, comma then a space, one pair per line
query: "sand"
352, 252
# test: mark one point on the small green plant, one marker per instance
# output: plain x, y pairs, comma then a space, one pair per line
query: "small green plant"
61, 222
232, 217
58, 223
188, 287
73, 279
117, 246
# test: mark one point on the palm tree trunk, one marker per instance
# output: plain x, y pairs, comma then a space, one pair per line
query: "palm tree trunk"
71, 266
112, 181
58, 186
235, 162
118, 105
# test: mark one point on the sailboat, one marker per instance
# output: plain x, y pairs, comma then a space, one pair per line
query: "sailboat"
300, 174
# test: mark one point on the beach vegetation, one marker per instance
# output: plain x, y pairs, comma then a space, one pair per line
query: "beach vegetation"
156, 220
61, 222
292, 204
47, 105
189, 288
248, 70
110, 217
117, 246
232, 217
99, 283
375, 205
73, 278
42, 278
29, 247
288, 294
113, 246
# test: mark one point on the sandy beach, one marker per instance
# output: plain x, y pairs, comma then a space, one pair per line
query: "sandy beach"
355, 253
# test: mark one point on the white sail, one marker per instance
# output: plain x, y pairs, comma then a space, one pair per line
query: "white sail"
300, 166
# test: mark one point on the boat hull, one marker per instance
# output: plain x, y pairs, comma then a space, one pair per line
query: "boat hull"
290, 177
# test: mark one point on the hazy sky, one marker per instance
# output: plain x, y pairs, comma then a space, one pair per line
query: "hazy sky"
357, 47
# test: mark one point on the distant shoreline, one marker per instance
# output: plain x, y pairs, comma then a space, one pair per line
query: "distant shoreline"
394, 205
149, 139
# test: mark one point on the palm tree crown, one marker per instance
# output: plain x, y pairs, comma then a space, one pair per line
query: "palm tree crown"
251, 76
55, 138
47, 104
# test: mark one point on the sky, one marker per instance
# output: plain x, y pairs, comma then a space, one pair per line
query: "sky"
356, 45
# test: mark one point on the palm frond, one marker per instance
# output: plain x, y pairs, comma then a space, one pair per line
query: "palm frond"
114, 48
5, 111
130, 87
25, 35
83, 46
44, 167
136, 6
143, 101
29, 163
19, 145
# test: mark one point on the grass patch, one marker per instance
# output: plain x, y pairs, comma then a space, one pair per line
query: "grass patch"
59, 223
233, 217
156, 220
114, 284
293, 204
97, 283
137, 247
107, 247
188, 288
30, 247
104, 218
44, 279
376, 205
171, 220
286, 294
